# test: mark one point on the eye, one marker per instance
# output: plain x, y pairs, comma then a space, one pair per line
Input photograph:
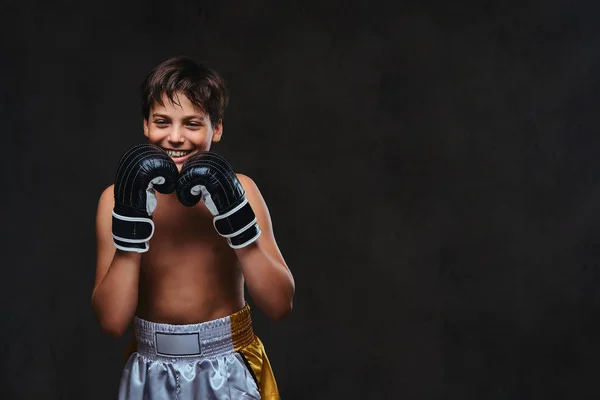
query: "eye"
194, 124
160, 122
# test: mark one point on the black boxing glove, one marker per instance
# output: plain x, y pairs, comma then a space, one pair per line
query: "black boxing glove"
142, 170
209, 177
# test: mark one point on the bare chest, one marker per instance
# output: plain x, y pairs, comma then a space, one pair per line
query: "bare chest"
188, 265
182, 232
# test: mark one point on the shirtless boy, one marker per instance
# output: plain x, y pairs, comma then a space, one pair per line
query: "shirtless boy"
179, 234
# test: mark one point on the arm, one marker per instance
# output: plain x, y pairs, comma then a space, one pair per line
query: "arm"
240, 215
268, 278
124, 229
114, 297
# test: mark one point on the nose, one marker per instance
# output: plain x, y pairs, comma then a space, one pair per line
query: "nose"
176, 135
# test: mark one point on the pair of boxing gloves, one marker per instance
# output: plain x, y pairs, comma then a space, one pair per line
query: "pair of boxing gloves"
146, 169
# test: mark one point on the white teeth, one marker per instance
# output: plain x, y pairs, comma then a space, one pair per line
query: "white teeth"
178, 153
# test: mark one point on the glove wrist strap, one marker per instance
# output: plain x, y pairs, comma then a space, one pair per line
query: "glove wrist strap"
238, 225
246, 238
235, 221
131, 233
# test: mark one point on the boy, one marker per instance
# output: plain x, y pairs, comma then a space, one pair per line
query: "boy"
178, 236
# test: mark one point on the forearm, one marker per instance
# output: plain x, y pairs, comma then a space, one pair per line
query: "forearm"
115, 298
269, 282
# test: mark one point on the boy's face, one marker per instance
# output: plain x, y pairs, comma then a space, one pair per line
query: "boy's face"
180, 129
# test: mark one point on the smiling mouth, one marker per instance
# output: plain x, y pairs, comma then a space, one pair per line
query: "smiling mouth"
177, 153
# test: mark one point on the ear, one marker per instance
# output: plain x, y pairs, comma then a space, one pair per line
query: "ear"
145, 127
217, 131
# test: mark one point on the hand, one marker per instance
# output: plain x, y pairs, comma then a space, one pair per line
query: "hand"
209, 177
143, 170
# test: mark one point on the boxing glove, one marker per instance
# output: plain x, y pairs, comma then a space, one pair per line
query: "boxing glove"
142, 170
208, 177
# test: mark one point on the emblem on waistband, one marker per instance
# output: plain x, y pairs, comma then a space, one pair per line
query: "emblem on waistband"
178, 344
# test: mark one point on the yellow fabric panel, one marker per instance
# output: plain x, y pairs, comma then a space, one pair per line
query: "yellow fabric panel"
253, 350
257, 358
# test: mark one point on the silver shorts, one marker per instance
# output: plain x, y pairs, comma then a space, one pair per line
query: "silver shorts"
185, 362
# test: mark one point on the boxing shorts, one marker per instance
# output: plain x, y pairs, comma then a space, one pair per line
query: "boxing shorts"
218, 359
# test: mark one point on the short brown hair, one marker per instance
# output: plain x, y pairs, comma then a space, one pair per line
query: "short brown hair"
204, 87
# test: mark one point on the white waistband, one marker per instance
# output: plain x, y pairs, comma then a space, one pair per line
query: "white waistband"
166, 342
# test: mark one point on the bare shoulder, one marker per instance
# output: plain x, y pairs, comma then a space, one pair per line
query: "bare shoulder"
107, 198
252, 192
247, 183
108, 192
104, 241
257, 202
106, 203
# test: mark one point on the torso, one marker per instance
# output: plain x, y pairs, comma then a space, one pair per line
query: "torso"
190, 274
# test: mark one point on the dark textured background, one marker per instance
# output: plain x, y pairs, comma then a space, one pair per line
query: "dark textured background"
430, 168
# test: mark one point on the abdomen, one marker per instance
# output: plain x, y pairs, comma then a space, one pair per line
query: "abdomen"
189, 275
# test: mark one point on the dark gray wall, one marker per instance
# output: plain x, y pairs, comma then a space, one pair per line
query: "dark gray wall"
431, 171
